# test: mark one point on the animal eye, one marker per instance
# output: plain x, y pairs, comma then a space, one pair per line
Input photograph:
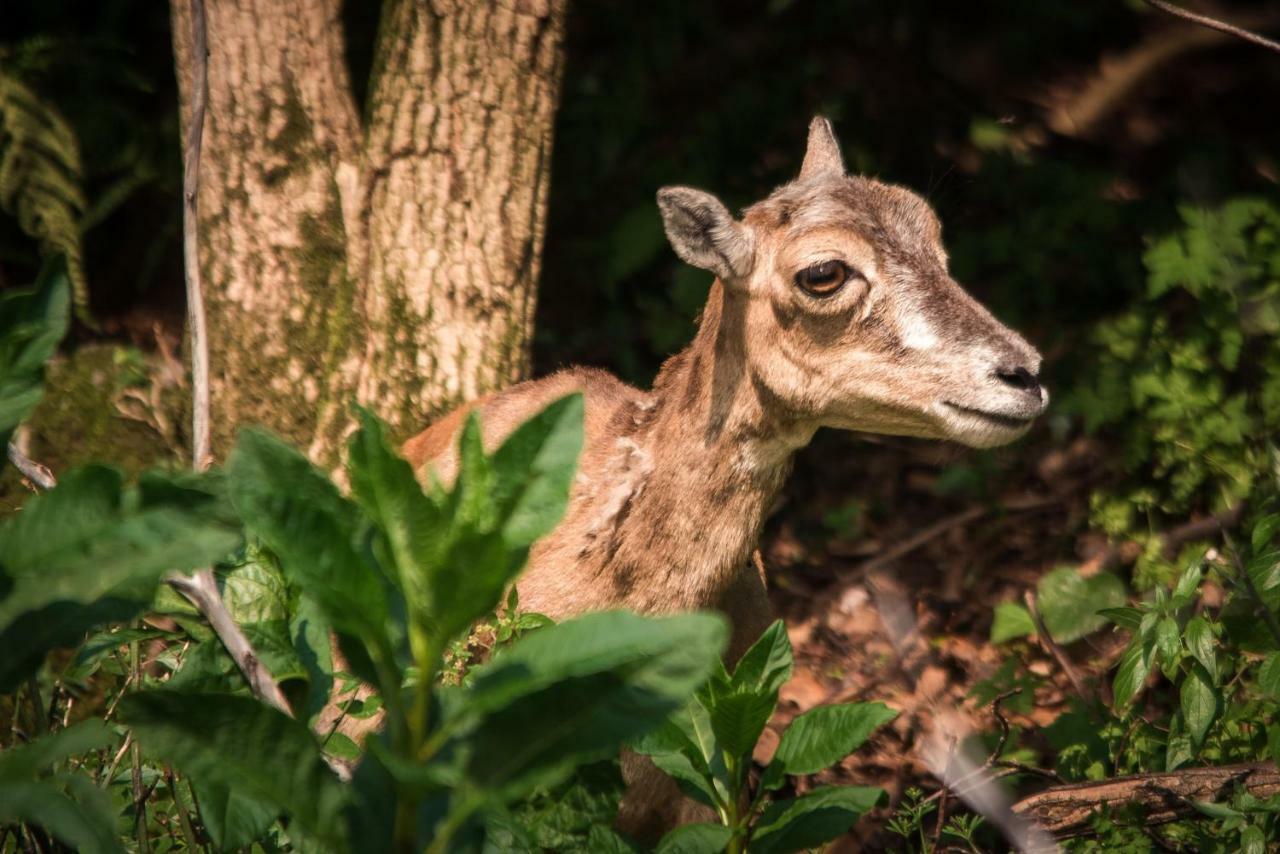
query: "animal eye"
824, 279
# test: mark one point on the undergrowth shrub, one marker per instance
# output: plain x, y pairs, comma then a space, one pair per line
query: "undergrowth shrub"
1187, 381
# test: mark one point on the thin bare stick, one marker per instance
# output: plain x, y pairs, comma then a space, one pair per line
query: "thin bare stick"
1214, 24
202, 590
1052, 646
200, 449
37, 473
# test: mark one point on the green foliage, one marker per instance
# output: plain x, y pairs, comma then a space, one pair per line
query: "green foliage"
707, 746
32, 322
1186, 379
40, 177
1068, 602
400, 573
1196, 684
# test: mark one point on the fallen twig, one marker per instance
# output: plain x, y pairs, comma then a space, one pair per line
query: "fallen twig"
1052, 646
1065, 810
37, 473
201, 588
1214, 24
200, 448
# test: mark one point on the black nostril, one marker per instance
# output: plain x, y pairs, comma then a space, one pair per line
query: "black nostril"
1019, 378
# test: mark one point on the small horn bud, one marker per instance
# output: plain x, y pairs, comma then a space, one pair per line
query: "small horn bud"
822, 157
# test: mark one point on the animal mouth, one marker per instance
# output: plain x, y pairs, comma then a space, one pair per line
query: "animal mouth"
1013, 422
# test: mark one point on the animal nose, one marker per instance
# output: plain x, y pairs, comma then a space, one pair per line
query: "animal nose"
1020, 378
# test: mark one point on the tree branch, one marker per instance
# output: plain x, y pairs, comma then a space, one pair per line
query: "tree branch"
1214, 24
37, 473
200, 453
1065, 811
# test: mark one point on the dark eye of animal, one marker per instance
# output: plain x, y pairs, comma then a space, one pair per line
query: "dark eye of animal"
825, 278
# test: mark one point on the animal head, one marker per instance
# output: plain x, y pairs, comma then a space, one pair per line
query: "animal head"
839, 289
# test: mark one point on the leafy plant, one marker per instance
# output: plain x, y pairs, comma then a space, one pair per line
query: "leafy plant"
707, 746
40, 181
1186, 380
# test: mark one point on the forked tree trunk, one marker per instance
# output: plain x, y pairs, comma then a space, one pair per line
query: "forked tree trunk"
391, 261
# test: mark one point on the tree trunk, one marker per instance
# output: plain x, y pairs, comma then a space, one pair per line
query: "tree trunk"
391, 262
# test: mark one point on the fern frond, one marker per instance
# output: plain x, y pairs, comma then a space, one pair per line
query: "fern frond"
40, 179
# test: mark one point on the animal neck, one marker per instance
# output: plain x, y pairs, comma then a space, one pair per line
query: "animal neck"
719, 449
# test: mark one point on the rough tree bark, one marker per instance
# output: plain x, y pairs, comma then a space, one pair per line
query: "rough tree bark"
390, 260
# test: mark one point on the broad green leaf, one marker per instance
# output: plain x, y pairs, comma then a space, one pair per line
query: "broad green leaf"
1069, 602
811, 819
1169, 643
823, 736
25, 761
1131, 675
1199, 702
767, 664
693, 782
533, 470
1264, 532
32, 322
1125, 618
309, 630
1200, 642
1253, 840
704, 838
570, 817
238, 743
78, 819
1188, 583
738, 717
1273, 742
1011, 621
1269, 675
1217, 810
302, 518
233, 818
574, 691
92, 551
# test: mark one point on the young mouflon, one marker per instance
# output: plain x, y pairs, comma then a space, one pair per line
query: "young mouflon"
832, 307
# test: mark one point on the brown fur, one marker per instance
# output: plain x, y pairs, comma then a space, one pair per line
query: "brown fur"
674, 483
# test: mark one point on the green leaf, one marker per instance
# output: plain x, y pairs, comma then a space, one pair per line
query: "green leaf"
704, 838
1200, 642
1011, 621
812, 819
695, 783
1273, 742
1269, 675
233, 818
1131, 675
738, 717
1070, 602
574, 691
1253, 841
534, 468
302, 518
824, 735
766, 666
25, 762
1125, 618
1169, 643
32, 322
1199, 702
92, 551
1188, 583
1264, 532
83, 822
238, 743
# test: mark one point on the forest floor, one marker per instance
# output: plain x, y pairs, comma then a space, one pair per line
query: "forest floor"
888, 589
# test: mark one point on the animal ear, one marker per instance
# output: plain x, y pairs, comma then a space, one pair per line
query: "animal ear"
822, 157
705, 234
